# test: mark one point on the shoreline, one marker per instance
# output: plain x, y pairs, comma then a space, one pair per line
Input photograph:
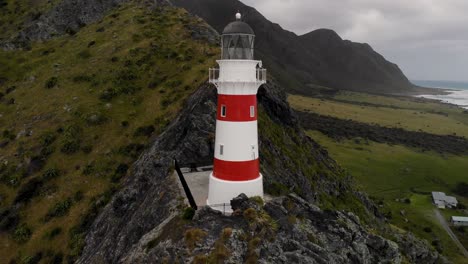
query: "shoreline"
458, 97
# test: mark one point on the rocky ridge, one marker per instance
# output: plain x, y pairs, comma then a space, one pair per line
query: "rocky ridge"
142, 223
67, 17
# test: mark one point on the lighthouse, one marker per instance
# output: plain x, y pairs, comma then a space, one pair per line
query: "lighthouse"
236, 166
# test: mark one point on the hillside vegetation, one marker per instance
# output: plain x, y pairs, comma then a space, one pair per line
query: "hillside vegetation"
399, 178
75, 113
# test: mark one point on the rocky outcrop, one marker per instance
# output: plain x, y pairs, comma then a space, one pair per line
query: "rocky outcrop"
285, 230
320, 57
67, 17
142, 223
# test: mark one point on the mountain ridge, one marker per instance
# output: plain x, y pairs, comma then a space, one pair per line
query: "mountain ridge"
299, 61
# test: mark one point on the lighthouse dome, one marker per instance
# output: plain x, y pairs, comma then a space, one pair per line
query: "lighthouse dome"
238, 27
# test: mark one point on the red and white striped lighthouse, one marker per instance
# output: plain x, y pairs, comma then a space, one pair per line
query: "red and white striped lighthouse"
236, 161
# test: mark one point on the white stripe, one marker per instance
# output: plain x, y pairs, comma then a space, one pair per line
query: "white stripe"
239, 141
222, 192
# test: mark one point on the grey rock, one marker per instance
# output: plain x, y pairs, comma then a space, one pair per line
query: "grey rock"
144, 208
67, 17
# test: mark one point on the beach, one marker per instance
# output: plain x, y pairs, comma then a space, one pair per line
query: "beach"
456, 92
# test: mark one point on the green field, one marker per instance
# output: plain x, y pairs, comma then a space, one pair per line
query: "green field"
395, 175
398, 178
391, 112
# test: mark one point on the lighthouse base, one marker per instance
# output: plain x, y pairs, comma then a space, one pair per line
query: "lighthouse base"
221, 192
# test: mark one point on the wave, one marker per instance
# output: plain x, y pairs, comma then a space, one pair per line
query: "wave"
459, 98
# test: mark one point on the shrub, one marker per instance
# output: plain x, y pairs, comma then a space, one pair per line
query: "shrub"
59, 209
427, 229
85, 54
53, 233
70, 146
29, 190
7, 134
174, 83
124, 123
82, 78
188, 214
120, 171
193, 236
132, 150
87, 149
51, 82
71, 143
144, 131
50, 174
88, 169
22, 234
47, 139
9, 219
461, 189
78, 196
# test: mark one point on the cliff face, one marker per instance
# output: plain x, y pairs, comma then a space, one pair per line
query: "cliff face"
143, 223
320, 57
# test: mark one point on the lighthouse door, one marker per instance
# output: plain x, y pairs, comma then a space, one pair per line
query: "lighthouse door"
253, 152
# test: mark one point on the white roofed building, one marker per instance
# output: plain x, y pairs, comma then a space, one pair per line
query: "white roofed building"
441, 200
459, 220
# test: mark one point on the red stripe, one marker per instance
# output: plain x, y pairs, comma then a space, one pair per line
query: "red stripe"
236, 170
237, 107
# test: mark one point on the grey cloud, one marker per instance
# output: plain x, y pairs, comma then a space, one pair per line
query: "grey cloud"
427, 38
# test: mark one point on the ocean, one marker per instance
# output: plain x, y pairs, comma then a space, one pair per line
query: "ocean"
458, 95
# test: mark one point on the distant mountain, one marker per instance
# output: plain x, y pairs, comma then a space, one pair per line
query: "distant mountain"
320, 57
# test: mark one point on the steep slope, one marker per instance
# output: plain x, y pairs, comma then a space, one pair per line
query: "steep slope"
77, 110
144, 221
318, 58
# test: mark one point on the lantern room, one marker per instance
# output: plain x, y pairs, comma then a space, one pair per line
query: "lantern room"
237, 41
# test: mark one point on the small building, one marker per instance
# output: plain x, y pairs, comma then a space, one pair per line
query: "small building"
459, 220
441, 200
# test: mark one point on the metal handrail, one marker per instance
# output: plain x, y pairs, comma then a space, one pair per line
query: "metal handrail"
261, 76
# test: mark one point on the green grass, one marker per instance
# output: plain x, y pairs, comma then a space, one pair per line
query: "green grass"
398, 178
409, 114
392, 171
391, 174
61, 97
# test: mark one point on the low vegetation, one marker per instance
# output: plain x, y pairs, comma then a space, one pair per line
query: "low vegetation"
77, 111
399, 178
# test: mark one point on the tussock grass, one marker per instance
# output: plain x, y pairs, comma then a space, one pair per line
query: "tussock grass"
89, 140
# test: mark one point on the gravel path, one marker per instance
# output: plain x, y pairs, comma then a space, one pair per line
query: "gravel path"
445, 225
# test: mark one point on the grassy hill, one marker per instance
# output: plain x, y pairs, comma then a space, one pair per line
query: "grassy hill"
398, 178
75, 113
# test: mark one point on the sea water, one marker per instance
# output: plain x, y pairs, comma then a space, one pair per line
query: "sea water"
458, 93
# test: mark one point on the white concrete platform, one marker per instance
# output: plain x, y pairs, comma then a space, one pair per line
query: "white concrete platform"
198, 183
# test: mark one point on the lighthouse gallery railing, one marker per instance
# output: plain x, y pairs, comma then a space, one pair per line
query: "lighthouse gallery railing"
261, 76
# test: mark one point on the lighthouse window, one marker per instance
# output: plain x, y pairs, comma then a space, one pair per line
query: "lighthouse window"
252, 111
221, 150
223, 111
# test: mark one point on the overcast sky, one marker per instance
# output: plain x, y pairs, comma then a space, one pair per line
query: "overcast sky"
428, 39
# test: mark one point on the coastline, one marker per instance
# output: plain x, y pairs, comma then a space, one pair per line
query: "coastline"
458, 97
